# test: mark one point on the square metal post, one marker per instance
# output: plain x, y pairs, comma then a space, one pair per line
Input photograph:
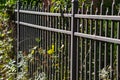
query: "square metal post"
73, 40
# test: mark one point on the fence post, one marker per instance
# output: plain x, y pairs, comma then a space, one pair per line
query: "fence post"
17, 33
73, 40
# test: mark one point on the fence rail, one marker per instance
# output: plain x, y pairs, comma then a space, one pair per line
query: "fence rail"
80, 44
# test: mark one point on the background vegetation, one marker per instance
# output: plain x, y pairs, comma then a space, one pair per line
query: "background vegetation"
7, 54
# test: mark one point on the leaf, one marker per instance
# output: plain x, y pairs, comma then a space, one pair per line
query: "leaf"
33, 51
2, 35
35, 47
57, 65
51, 51
9, 32
37, 40
53, 47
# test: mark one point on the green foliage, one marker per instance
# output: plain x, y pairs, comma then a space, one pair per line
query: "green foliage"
35, 57
7, 64
64, 5
7, 4
60, 5
31, 59
7, 59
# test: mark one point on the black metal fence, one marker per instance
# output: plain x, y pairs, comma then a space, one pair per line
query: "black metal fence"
80, 44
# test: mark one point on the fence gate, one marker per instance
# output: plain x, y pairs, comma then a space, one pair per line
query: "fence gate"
76, 41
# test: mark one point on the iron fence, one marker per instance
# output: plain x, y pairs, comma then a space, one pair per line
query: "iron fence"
80, 44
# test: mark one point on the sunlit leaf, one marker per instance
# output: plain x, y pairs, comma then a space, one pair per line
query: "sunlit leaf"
33, 51
37, 40
51, 51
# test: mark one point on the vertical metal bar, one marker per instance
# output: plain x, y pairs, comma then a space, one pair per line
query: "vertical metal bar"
50, 44
56, 37
53, 63
82, 40
112, 45
34, 42
43, 37
33, 38
82, 43
100, 34
46, 42
90, 54
57, 34
118, 50
18, 25
30, 18
106, 45
23, 31
66, 48
78, 54
69, 43
27, 20
58, 44
40, 36
56, 51
95, 50
86, 46
62, 26
37, 33
60, 39
73, 40
118, 55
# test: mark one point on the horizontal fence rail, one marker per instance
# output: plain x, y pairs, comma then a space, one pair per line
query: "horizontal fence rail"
81, 42
45, 28
44, 13
84, 16
95, 37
